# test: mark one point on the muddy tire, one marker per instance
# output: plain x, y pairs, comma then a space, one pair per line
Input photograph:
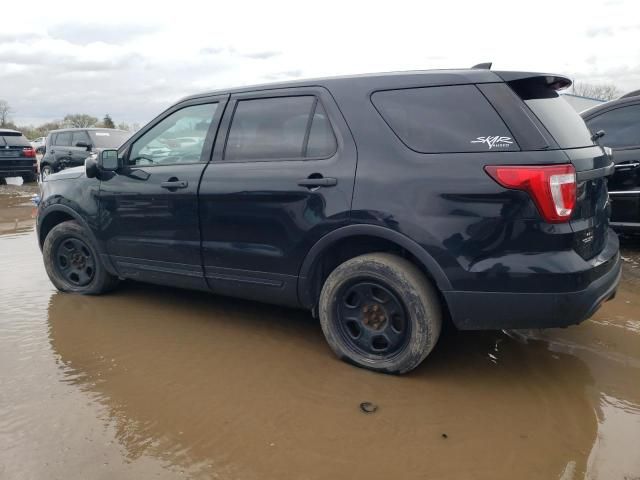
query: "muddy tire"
378, 311
72, 261
46, 170
29, 178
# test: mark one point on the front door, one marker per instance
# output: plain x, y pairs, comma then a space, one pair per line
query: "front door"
282, 176
149, 207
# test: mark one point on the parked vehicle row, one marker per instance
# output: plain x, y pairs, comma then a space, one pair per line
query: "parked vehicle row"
386, 204
619, 120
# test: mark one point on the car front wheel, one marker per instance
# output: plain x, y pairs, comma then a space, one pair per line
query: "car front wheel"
380, 312
72, 262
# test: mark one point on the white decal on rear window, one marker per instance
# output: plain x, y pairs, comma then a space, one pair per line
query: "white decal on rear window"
494, 141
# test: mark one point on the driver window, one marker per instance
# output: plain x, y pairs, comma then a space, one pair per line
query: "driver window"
179, 138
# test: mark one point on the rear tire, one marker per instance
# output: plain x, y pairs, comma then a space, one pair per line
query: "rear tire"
29, 178
379, 311
72, 262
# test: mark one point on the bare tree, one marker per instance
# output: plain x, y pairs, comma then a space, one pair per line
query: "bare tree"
5, 111
600, 91
80, 120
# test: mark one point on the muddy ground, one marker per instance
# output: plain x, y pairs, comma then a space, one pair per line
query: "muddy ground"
152, 382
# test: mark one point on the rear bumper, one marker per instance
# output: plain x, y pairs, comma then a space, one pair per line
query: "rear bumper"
17, 169
511, 310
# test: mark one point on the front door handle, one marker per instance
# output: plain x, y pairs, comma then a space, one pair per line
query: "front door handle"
318, 182
174, 184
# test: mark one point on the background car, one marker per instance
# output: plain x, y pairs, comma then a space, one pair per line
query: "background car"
70, 147
17, 156
38, 144
620, 121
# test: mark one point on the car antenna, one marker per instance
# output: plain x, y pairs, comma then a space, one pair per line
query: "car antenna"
483, 66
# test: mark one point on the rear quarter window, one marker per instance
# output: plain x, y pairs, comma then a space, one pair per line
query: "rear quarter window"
445, 119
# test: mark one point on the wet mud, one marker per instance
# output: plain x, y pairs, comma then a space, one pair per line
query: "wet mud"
153, 382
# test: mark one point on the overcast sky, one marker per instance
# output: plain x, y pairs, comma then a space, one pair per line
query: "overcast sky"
132, 61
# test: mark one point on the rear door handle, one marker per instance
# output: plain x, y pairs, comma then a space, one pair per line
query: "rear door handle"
318, 182
174, 184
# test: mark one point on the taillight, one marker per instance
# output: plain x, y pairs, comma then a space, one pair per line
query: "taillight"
29, 152
552, 187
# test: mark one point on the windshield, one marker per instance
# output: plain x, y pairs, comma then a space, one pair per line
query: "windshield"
108, 138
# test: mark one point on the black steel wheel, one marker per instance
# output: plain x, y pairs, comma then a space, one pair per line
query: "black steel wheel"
371, 318
380, 312
72, 261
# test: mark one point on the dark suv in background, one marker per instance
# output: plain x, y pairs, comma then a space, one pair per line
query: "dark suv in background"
70, 147
17, 156
385, 204
620, 122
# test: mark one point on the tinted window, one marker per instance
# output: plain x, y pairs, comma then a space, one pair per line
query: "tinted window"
322, 142
80, 136
13, 140
63, 139
444, 119
561, 120
108, 138
621, 126
276, 128
179, 138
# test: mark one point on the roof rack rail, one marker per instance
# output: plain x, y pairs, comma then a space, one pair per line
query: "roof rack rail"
483, 66
633, 93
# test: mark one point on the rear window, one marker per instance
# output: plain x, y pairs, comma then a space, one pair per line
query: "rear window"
444, 119
10, 139
108, 138
560, 119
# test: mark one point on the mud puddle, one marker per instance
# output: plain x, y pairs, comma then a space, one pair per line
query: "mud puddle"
151, 382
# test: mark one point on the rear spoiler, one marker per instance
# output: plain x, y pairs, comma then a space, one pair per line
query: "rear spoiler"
553, 81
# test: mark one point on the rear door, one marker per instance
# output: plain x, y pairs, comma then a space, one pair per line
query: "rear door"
149, 207
282, 177
622, 133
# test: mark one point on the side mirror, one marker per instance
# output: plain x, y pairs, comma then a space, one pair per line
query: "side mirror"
84, 145
108, 160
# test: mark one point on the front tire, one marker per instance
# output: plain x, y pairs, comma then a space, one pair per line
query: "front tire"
379, 311
46, 170
72, 262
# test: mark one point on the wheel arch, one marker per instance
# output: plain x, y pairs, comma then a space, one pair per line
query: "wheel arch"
378, 238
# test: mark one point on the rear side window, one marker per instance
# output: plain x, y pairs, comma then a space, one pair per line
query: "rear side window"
621, 126
80, 136
63, 139
560, 119
280, 128
444, 119
13, 140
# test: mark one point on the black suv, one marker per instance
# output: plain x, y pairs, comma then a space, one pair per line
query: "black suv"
70, 147
620, 122
386, 204
17, 156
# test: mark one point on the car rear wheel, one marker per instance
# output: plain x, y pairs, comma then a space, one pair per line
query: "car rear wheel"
29, 178
72, 262
379, 311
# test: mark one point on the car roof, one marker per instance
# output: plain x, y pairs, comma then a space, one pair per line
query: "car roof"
618, 102
389, 80
75, 129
